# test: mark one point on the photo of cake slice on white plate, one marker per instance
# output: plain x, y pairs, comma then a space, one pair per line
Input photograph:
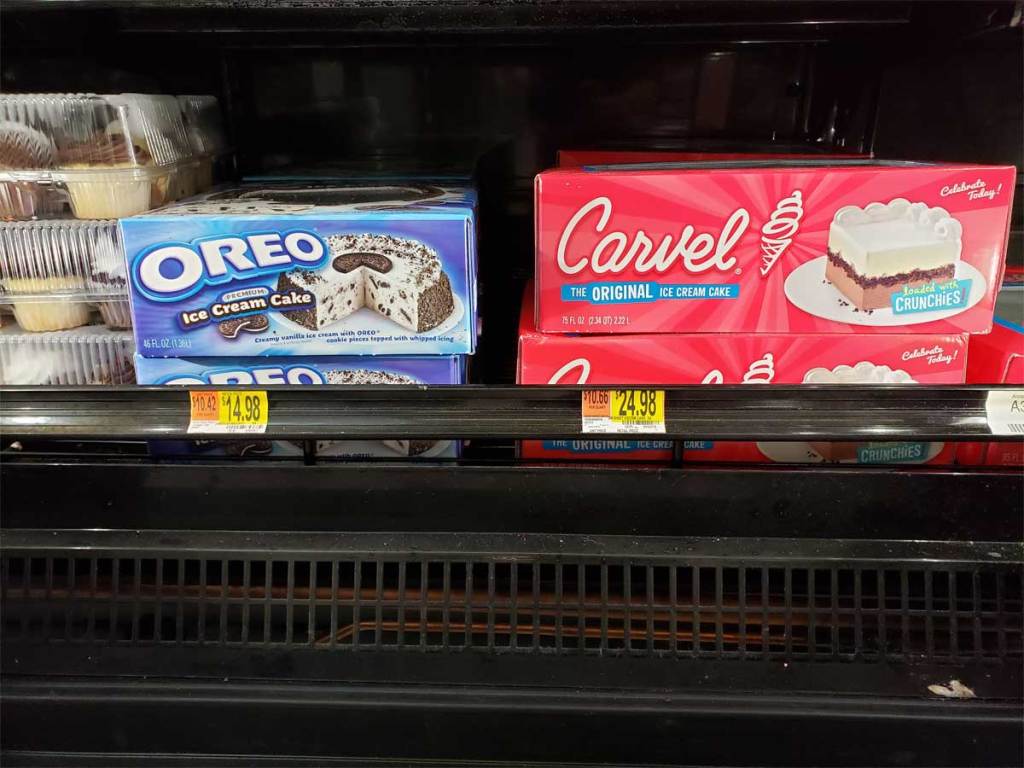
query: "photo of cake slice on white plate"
878, 250
863, 372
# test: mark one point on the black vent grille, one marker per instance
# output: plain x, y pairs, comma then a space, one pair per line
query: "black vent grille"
529, 604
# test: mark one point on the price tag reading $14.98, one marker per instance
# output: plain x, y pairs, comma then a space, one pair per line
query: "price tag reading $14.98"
624, 411
228, 413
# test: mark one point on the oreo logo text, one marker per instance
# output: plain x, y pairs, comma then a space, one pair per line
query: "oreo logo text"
174, 271
266, 375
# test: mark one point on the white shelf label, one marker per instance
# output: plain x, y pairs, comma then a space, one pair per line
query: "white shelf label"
1005, 410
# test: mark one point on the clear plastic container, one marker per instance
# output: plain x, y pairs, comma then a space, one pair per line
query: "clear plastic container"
54, 273
206, 133
95, 157
90, 355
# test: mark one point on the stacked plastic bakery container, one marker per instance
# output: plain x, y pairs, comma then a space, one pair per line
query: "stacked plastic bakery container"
747, 270
307, 283
71, 165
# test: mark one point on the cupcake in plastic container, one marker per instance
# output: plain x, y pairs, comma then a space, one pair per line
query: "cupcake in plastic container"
89, 355
23, 147
50, 315
112, 155
202, 118
158, 118
42, 277
52, 272
109, 275
96, 196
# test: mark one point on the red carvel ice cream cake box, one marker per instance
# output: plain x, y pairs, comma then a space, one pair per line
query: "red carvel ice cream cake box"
574, 158
550, 359
673, 359
832, 246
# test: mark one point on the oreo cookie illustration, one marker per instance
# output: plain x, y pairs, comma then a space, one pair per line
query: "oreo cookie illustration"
256, 448
230, 329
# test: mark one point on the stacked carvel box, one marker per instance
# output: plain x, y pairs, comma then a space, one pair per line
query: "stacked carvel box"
308, 283
998, 358
70, 164
755, 271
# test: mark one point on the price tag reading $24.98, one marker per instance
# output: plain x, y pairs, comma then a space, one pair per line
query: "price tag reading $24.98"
228, 413
624, 411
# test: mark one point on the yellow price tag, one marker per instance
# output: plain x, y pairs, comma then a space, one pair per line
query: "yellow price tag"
242, 412
642, 406
624, 411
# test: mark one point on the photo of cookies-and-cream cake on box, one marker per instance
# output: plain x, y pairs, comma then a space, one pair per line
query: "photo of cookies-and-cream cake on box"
306, 268
397, 278
364, 377
322, 371
884, 248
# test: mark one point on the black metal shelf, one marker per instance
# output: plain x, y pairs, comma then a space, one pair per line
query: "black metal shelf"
693, 412
232, 723
613, 649
864, 503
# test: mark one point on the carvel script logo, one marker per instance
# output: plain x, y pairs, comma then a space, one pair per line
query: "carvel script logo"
174, 271
617, 251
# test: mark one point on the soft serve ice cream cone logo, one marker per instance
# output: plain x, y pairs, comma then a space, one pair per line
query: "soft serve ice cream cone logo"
778, 232
761, 371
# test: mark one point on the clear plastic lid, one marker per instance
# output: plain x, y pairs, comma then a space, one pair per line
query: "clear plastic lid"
204, 125
90, 355
70, 132
93, 156
61, 259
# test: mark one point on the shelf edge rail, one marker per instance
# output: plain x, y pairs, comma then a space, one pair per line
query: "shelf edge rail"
696, 412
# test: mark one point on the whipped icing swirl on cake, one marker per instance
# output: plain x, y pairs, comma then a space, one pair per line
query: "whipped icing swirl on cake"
863, 372
895, 237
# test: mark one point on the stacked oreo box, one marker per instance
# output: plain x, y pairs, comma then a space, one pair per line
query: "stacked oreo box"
70, 166
309, 284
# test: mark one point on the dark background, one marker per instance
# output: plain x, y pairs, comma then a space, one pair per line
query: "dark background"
497, 88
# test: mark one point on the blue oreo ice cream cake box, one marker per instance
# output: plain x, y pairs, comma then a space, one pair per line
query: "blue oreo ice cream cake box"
306, 269
262, 371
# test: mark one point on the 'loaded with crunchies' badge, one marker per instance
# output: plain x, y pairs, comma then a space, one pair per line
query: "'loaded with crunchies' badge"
771, 246
306, 269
